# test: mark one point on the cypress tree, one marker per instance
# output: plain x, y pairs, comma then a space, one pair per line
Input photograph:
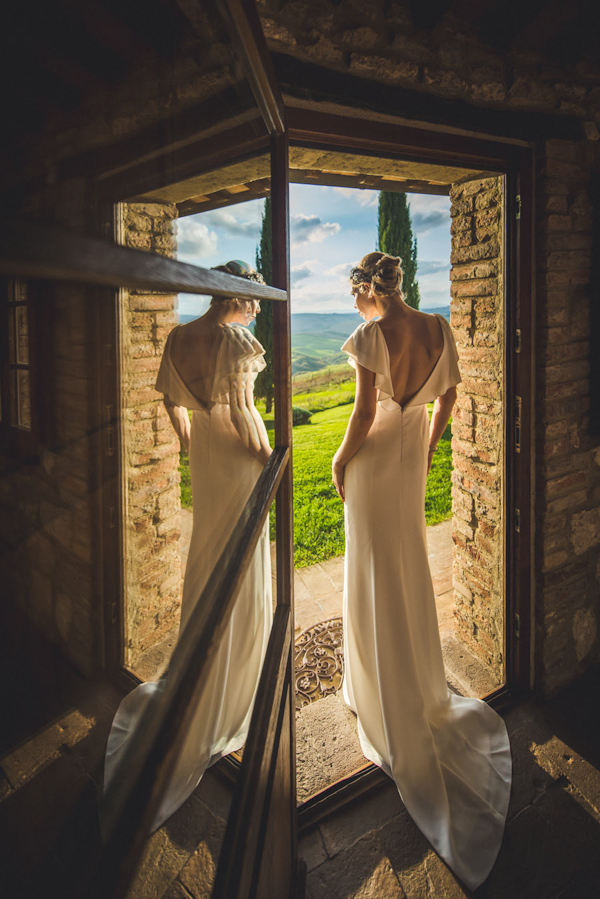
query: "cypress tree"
395, 237
263, 329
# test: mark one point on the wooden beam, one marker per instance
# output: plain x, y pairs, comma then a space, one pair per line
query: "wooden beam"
318, 84
31, 250
244, 26
367, 182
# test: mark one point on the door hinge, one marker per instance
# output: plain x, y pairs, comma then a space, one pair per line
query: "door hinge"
518, 207
518, 521
113, 613
518, 411
517, 625
517, 340
112, 517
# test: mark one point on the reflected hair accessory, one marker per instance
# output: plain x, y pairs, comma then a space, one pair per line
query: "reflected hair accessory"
359, 276
240, 269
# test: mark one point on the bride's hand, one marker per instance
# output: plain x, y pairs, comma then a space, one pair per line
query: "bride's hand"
337, 475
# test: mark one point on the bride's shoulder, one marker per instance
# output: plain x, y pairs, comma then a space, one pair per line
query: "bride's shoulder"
366, 330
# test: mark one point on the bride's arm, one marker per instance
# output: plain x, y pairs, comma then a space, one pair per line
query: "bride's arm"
179, 419
359, 425
265, 446
442, 409
242, 418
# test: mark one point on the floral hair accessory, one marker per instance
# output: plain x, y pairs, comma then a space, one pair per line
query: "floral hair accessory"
241, 270
359, 276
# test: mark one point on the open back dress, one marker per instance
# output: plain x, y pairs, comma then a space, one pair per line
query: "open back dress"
449, 755
223, 473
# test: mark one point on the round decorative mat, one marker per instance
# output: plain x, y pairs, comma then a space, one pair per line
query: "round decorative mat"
319, 661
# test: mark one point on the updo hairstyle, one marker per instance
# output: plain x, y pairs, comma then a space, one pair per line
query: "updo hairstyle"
240, 270
382, 272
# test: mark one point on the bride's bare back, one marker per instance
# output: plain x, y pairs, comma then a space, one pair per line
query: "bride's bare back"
415, 342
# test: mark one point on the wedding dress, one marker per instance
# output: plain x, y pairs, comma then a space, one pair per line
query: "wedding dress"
449, 755
224, 473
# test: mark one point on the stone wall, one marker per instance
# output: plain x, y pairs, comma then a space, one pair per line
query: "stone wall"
477, 451
150, 447
381, 42
49, 526
568, 471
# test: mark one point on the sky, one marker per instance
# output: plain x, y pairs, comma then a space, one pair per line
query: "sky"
331, 229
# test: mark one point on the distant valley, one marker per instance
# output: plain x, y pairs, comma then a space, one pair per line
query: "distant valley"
317, 337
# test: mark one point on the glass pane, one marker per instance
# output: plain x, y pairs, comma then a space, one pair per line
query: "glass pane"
22, 335
12, 349
23, 400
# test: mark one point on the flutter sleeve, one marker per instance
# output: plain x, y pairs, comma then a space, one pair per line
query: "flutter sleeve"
366, 346
446, 373
240, 354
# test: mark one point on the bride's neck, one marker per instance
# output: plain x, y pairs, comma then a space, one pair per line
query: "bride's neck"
390, 306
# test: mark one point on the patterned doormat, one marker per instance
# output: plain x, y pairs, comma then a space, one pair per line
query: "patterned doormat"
319, 661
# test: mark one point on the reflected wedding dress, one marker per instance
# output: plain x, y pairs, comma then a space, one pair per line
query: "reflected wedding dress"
224, 473
449, 755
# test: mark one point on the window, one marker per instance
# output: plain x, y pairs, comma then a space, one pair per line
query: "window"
17, 418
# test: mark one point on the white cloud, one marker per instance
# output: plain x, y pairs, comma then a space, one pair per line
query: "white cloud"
301, 272
432, 266
363, 196
310, 229
233, 225
342, 270
195, 240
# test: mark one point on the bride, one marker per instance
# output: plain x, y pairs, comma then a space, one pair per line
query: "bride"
449, 755
209, 366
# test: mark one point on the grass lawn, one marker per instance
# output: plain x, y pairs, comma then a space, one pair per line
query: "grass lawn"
318, 512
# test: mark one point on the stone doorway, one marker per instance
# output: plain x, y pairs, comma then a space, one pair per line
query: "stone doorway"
466, 553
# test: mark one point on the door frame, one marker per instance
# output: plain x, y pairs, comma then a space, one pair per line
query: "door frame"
515, 161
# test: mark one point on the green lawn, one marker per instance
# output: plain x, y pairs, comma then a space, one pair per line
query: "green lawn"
318, 512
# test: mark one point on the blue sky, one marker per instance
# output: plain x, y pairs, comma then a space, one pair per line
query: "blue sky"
331, 229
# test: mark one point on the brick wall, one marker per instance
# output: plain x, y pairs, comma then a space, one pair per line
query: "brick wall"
568, 471
150, 447
48, 519
476, 319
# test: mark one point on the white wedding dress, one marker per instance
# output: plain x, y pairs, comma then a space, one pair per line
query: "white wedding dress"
449, 755
224, 473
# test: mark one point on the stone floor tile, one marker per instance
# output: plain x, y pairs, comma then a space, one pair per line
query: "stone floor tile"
532, 863
574, 823
529, 778
169, 851
558, 758
5, 787
407, 849
317, 580
321, 729
343, 829
420, 871
24, 762
176, 890
198, 875
331, 605
311, 849
52, 814
215, 792
362, 872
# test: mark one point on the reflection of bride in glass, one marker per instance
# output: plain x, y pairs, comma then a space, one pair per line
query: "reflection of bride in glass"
209, 366
449, 755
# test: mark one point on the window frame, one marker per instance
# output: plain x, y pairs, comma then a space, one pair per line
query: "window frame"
18, 442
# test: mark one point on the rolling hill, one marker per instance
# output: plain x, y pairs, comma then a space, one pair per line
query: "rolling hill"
317, 337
